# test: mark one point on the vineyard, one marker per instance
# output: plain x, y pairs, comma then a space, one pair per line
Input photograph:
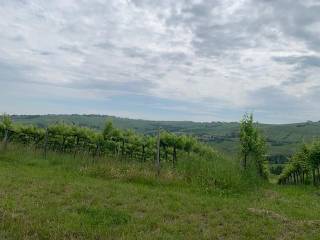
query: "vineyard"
304, 166
71, 182
164, 149
119, 183
189, 158
111, 141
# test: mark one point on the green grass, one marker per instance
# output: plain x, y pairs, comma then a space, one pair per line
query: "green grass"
66, 198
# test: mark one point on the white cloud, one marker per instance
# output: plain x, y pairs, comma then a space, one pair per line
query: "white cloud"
205, 52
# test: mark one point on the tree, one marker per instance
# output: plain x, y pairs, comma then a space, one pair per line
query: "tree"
252, 144
247, 133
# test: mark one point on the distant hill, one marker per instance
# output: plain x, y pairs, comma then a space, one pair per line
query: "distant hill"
282, 139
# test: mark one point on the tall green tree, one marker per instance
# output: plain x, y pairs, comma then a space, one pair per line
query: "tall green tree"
253, 145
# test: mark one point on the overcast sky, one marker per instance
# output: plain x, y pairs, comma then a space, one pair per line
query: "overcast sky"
194, 60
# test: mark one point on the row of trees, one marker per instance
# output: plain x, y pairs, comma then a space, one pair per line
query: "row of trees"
304, 166
126, 144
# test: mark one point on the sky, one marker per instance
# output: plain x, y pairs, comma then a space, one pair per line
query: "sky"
199, 60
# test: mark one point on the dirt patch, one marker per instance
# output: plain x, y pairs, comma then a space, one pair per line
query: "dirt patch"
276, 216
271, 194
290, 228
268, 213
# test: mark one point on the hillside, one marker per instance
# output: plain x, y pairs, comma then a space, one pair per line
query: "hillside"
65, 198
282, 139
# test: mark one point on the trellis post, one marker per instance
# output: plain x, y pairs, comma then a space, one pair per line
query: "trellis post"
45, 143
158, 154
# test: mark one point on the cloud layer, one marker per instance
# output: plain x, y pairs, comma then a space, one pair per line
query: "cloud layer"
185, 59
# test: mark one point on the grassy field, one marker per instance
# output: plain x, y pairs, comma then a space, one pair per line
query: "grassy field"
66, 198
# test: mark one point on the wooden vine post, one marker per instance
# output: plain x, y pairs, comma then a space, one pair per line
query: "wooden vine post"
45, 143
158, 154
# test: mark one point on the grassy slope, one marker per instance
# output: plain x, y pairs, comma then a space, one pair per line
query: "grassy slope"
57, 199
282, 139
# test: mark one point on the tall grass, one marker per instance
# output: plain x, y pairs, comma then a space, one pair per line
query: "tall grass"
218, 172
206, 173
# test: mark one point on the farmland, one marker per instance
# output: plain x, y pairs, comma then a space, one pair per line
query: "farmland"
282, 139
60, 180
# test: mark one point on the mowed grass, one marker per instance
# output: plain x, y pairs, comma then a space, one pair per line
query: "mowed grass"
66, 198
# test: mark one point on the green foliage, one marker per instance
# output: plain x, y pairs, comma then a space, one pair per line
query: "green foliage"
252, 146
304, 166
6, 121
108, 130
5, 128
276, 169
282, 139
195, 161
125, 144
